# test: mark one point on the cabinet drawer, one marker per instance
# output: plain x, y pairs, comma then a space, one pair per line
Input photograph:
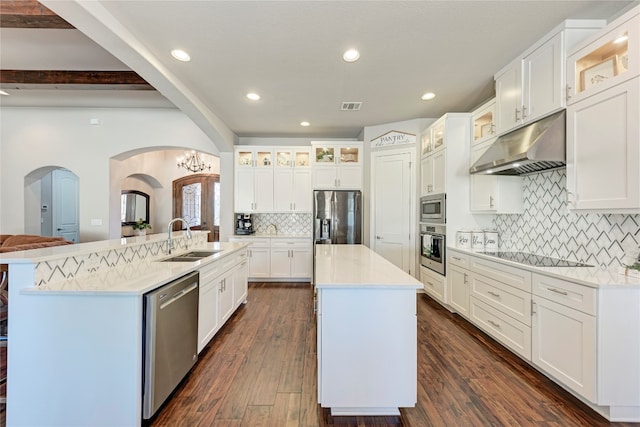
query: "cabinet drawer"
509, 300
511, 333
291, 244
569, 294
253, 242
513, 276
459, 259
434, 284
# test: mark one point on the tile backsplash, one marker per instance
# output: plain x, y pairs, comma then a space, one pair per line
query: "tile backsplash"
547, 227
287, 223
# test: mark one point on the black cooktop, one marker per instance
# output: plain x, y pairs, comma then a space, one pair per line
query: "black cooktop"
535, 260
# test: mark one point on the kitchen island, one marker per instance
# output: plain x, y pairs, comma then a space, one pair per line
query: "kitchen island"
75, 353
367, 342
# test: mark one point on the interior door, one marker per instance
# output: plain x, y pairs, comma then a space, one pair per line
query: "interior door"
391, 236
65, 206
196, 198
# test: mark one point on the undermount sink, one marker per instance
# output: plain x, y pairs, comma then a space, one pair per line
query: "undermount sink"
191, 256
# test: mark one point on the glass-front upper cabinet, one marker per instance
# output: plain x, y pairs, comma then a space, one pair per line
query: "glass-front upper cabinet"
345, 154
297, 157
426, 141
433, 137
254, 157
606, 60
483, 124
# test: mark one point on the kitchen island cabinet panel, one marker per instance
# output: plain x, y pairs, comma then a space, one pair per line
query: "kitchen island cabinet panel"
367, 329
351, 376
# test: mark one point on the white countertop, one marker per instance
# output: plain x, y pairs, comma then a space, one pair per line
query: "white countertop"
345, 266
273, 236
595, 277
135, 279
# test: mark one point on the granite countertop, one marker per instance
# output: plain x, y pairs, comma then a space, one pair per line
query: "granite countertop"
595, 277
356, 266
135, 278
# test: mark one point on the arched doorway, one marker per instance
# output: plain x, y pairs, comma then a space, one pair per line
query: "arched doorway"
52, 205
196, 198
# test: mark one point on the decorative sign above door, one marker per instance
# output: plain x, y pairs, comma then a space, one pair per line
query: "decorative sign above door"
393, 137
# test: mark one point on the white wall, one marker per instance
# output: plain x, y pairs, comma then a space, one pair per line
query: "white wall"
32, 138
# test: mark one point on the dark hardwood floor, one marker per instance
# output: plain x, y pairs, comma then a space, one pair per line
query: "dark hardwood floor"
260, 370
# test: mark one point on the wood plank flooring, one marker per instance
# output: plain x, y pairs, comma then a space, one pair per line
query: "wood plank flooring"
260, 370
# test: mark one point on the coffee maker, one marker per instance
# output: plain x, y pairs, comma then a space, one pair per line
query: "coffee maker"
244, 223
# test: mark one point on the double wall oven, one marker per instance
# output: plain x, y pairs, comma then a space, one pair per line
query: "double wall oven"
433, 236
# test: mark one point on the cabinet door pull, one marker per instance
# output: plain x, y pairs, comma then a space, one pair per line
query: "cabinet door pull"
465, 278
490, 201
524, 111
568, 95
431, 284
557, 291
493, 294
517, 115
497, 325
533, 307
457, 259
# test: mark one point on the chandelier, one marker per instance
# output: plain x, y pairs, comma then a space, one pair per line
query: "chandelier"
193, 162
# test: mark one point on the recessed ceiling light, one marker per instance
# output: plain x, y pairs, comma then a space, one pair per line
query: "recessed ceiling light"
489, 171
180, 55
253, 96
3, 93
427, 96
351, 55
621, 39
305, 124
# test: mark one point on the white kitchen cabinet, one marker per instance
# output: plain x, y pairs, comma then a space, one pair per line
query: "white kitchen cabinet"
482, 121
208, 318
603, 150
292, 190
434, 284
225, 298
258, 256
291, 258
217, 298
253, 186
533, 85
564, 345
434, 173
493, 193
433, 138
336, 166
605, 59
292, 180
240, 285
458, 288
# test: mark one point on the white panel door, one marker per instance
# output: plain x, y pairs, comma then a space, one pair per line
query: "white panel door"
302, 192
283, 190
392, 208
66, 210
244, 190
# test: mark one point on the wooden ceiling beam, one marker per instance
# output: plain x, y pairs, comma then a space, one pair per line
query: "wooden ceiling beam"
29, 14
59, 79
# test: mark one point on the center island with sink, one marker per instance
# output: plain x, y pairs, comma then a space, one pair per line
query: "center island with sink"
76, 329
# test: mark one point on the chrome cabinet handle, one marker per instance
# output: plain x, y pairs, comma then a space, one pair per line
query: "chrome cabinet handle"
493, 294
497, 325
465, 278
524, 110
568, 92
490, 201
557, 291
517, 117
431, 284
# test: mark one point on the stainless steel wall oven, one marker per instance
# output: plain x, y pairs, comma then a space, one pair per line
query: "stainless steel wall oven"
433, 244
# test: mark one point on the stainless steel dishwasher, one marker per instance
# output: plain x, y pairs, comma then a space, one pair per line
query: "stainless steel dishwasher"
170, 339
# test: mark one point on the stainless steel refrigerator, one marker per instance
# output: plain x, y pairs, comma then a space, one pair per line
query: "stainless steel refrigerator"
337, 217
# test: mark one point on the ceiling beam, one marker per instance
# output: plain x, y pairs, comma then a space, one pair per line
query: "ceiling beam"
29, 14
58, 79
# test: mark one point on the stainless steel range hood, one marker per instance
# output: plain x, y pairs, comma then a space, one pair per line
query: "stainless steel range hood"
535, 147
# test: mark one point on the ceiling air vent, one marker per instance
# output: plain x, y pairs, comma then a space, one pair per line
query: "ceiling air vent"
351, 106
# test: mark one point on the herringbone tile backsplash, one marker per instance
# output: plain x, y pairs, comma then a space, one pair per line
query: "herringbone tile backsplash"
547, 227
